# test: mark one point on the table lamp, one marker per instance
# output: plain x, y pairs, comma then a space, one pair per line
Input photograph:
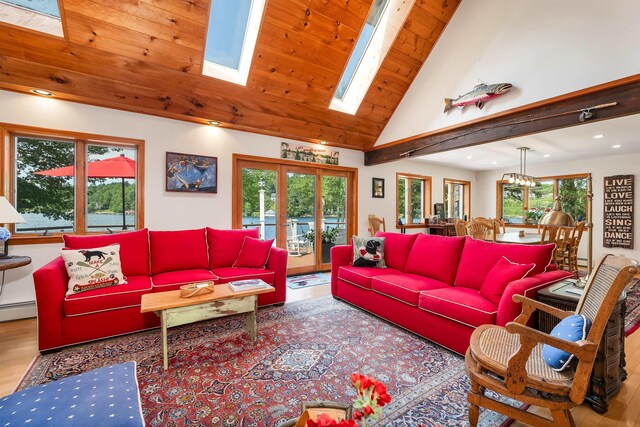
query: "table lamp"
8, 215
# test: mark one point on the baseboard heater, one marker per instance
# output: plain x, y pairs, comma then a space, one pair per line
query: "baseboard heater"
17, 310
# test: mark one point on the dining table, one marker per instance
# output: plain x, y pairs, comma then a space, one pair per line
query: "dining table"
514, 237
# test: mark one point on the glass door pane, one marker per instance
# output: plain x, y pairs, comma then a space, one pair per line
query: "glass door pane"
301, 219
334, 214
259, 197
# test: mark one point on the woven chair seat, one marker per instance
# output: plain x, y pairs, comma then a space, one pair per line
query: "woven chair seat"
497, 362
496, 346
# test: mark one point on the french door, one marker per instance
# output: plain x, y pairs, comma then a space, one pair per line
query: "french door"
306, 209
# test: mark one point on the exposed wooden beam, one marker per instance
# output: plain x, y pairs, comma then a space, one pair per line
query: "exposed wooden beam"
554, 113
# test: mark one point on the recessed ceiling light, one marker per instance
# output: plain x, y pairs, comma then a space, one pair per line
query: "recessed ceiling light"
323, 142
469, 157
494, 163
616, 146
547, 155
598, 136
41, 92
214, 123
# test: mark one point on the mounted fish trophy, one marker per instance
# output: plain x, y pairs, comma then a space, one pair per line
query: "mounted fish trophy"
480, 94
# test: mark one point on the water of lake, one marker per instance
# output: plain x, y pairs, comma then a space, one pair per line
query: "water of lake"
100, 222
96, 222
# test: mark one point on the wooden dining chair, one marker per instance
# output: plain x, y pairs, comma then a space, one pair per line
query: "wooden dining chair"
483, 229
572, 253
461, 227
375, 225
508, 360
500, 225
561, 236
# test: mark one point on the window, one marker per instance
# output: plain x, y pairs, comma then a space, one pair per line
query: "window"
525, 205
55, 195
38, 15
413, 199
457, 198
378, 33
231, 39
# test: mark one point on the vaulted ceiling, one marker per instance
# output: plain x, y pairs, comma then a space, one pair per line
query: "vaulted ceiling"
146, 56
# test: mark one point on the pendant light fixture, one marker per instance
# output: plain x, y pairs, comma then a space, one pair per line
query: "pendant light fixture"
521, 178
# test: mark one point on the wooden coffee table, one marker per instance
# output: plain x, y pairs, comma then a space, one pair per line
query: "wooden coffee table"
176, 311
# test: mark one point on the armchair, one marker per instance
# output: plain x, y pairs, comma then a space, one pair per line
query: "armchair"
508, 361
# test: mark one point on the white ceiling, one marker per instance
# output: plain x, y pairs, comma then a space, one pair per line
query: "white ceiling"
566, 144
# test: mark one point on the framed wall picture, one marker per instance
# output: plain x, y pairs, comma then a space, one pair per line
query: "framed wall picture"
438, 209
191, 173
377, 188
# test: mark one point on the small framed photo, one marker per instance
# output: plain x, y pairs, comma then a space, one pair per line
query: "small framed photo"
377, 188
191, 173
438, 209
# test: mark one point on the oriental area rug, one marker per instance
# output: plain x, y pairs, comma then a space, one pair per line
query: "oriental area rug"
306, 351
632, 318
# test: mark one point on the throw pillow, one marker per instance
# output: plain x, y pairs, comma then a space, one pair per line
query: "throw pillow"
503, 273
572, 328
368, 252
254, 253
94, 268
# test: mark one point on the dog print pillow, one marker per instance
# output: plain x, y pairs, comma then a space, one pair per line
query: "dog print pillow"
94, 268
368, 252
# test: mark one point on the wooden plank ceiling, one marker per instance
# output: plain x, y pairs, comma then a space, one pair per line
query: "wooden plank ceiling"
146, 56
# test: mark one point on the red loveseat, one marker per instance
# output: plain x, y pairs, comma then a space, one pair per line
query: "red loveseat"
432, 284
152, 261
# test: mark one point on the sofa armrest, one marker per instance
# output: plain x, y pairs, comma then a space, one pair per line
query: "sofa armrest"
50, 282
278, 264
340, 255
508, 309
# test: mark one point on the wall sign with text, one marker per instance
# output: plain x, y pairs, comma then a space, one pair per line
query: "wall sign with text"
618, 211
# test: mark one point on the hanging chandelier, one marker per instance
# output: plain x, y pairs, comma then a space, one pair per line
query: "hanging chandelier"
521, 178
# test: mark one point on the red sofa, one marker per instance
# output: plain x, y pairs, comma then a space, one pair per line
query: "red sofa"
152, 261
432, 284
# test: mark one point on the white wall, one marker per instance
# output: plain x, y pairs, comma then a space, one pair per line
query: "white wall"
386, 207
599, 168
543, 47
175, 210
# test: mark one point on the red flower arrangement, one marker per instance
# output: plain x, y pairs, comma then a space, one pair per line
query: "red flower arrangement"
372, 396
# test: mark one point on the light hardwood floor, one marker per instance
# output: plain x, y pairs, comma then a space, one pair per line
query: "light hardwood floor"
18, 347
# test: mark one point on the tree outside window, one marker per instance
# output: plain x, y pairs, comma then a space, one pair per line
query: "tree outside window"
55, 196
526, 205
413, 198
457, 196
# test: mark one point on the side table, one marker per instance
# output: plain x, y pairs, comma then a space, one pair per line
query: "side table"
11, 262
609, 368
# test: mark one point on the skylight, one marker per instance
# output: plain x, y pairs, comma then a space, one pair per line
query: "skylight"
383, 23
38, 15
231, 39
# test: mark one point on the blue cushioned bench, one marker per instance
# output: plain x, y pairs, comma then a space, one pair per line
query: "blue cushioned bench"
106, 396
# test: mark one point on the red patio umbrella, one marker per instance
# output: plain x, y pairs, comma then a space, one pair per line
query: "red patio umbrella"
113, 167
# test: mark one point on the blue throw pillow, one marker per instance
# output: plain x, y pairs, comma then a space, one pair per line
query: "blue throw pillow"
571, 328
106, 396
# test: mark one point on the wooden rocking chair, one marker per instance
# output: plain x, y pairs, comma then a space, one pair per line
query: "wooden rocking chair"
508, 361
